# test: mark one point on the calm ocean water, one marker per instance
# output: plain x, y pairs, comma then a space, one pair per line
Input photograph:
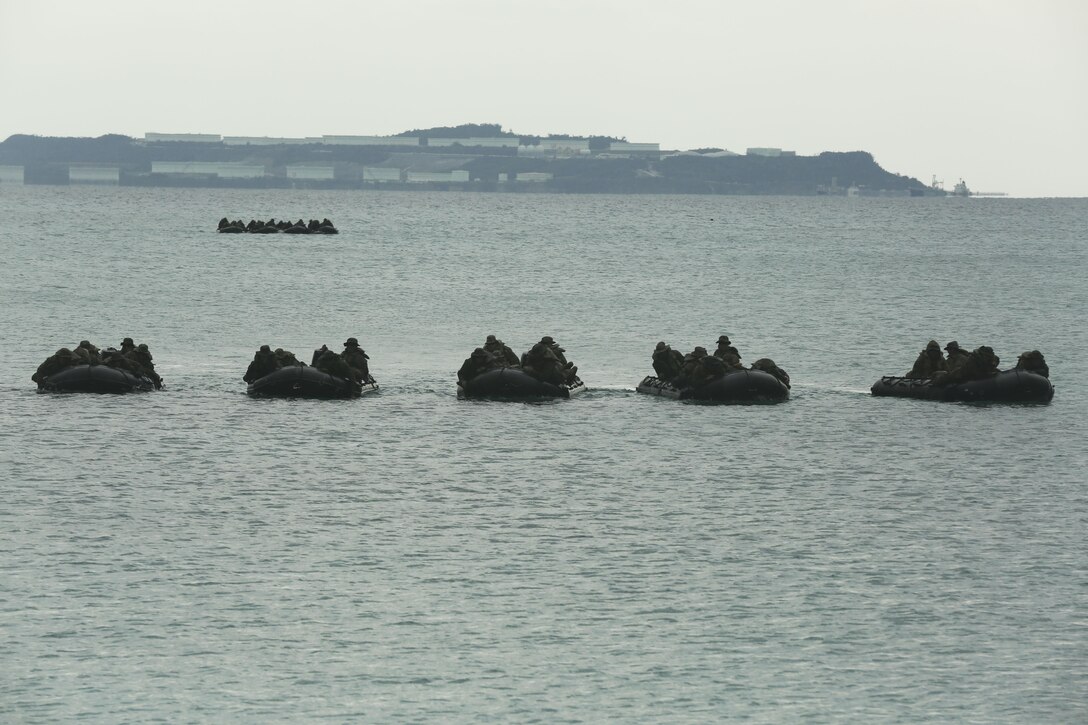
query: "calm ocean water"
196, 555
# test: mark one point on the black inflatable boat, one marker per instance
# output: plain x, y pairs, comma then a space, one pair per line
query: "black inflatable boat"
95, 379
1009, 386
305, 381
515, 384
739, 386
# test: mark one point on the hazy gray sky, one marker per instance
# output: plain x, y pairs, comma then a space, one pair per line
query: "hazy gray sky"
993, 91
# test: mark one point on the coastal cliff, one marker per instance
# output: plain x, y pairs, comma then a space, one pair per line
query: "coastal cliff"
518, 166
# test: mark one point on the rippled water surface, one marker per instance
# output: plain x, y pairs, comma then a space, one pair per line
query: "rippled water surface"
195, 554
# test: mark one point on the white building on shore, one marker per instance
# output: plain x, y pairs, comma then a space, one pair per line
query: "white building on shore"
382, 174
623, 148
183, 137
311, 172
267, 141
497, 142
224, 170
457, 176
370, 140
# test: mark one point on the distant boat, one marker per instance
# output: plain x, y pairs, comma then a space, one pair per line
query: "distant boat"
960, 189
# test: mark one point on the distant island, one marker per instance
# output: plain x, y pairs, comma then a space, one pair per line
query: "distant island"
469, 157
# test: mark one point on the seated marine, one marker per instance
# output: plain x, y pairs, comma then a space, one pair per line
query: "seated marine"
356, 358
541, 363
142, 357
569, 370
286, 358
88, 353
479, 361
545, 351
1033, 362
121, 361
61, 359
501, 351
691, 371
667, 362
711, 367
332, 363
555, 348
957, 356
981, 363
928, 363
725, 351
264, 362
767, 365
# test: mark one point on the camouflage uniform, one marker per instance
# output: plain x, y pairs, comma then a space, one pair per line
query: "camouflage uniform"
957, 356
667, 362
142, 357
356, 358
554, 347
541, 363
725, 351
120, 361
929, 362
767, 365
1033, 362
286, 358
501, 351
691, 372
264, 362
88, 353
568, 370
981, 363
711, 367
61, 359
333, 364
478, 362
